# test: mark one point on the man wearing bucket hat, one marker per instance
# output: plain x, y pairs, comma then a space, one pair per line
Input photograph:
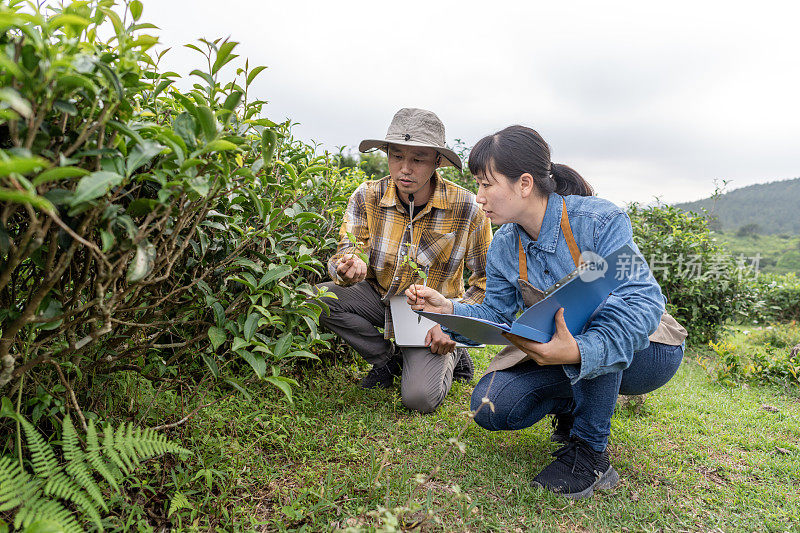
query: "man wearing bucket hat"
413, 214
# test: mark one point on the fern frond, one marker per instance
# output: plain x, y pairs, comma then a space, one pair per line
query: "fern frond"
122, 443
94, 457
60, 486
12, 481
149, 443
76, 464
110, 451
38, 508
42, 456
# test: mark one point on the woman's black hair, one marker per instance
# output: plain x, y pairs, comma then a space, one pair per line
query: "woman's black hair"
517, 150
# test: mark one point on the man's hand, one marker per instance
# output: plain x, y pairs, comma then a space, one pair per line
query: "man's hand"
422, 298
351, 268
561, 350
438, 341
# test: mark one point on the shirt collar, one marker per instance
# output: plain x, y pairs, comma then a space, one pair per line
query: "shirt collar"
551, 226
438, 197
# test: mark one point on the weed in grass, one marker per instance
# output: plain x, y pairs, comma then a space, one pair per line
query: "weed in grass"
760, 355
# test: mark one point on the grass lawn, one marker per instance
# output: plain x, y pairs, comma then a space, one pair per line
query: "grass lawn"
696, 456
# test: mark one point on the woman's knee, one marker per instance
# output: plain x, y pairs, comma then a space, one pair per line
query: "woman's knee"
481, 411
651, 368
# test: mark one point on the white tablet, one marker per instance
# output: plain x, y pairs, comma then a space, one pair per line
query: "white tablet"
409, 330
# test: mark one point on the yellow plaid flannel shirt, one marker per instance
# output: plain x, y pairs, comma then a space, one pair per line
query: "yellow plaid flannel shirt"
450, 232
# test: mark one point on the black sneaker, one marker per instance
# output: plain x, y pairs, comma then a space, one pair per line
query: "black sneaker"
577, 471
562, 425
464, 369
382, 377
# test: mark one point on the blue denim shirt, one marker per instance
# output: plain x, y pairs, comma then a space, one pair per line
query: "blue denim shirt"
631, 313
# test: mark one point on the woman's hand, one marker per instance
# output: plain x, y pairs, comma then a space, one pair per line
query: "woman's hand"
422, 298
561, 350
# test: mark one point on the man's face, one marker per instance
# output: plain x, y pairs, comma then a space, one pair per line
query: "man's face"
411, 168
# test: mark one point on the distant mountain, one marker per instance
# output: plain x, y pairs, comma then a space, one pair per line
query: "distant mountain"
765, 208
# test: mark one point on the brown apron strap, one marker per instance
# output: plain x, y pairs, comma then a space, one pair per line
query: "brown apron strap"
567, 229
570, 238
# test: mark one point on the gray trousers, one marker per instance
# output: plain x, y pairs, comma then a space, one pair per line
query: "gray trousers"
355, 315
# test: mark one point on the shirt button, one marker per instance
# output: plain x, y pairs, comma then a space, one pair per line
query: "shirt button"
396, 279
547, 272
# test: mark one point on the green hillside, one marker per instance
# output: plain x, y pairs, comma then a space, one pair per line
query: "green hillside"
776, 254
766, 208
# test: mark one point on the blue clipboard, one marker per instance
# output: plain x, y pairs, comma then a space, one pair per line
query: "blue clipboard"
582, 293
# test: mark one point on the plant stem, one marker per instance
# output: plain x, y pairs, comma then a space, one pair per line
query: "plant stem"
19, 428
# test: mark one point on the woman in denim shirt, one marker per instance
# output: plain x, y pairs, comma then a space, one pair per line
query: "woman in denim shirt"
630, 347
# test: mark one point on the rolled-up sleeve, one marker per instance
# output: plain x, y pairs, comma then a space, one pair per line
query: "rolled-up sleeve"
478, 242
355, 222
630, 314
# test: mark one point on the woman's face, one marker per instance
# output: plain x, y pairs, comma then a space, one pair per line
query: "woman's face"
499, 198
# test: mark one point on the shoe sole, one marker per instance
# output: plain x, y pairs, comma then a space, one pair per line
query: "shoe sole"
607, 481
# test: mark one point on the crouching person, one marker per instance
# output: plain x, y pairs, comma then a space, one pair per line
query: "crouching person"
414, 213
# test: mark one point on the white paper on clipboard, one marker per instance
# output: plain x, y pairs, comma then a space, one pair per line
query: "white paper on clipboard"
408, 329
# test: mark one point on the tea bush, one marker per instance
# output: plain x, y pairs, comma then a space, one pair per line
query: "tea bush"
703, 283
177, 235
774, 298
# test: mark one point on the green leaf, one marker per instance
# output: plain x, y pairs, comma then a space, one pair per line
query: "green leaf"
238, 386
22, 165
253, 73
59, 173
24, 197
179, 501
279, 272
232, 100
212, 365
269, 139
218, 145
142, 263
141, 206
208, 122
283, 345
66, 107
250, 325
258, 362
136, 9
45, 525
200, 185
205, 75
302, 353
217, 336
238, 344
9, 66
224, 56
66, 19
284, 384
108, 240
141, 154
15, 101
95, 185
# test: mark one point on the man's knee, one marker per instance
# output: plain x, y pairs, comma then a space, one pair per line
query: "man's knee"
417, 397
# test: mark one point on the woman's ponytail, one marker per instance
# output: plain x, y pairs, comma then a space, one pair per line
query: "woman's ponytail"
568, 181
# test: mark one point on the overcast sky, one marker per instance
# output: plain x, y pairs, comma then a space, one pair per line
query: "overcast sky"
644, 99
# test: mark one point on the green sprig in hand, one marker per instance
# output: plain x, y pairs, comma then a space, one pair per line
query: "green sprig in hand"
419, 272
359, 248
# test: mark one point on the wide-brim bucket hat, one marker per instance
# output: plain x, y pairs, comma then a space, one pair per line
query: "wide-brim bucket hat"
415, 127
